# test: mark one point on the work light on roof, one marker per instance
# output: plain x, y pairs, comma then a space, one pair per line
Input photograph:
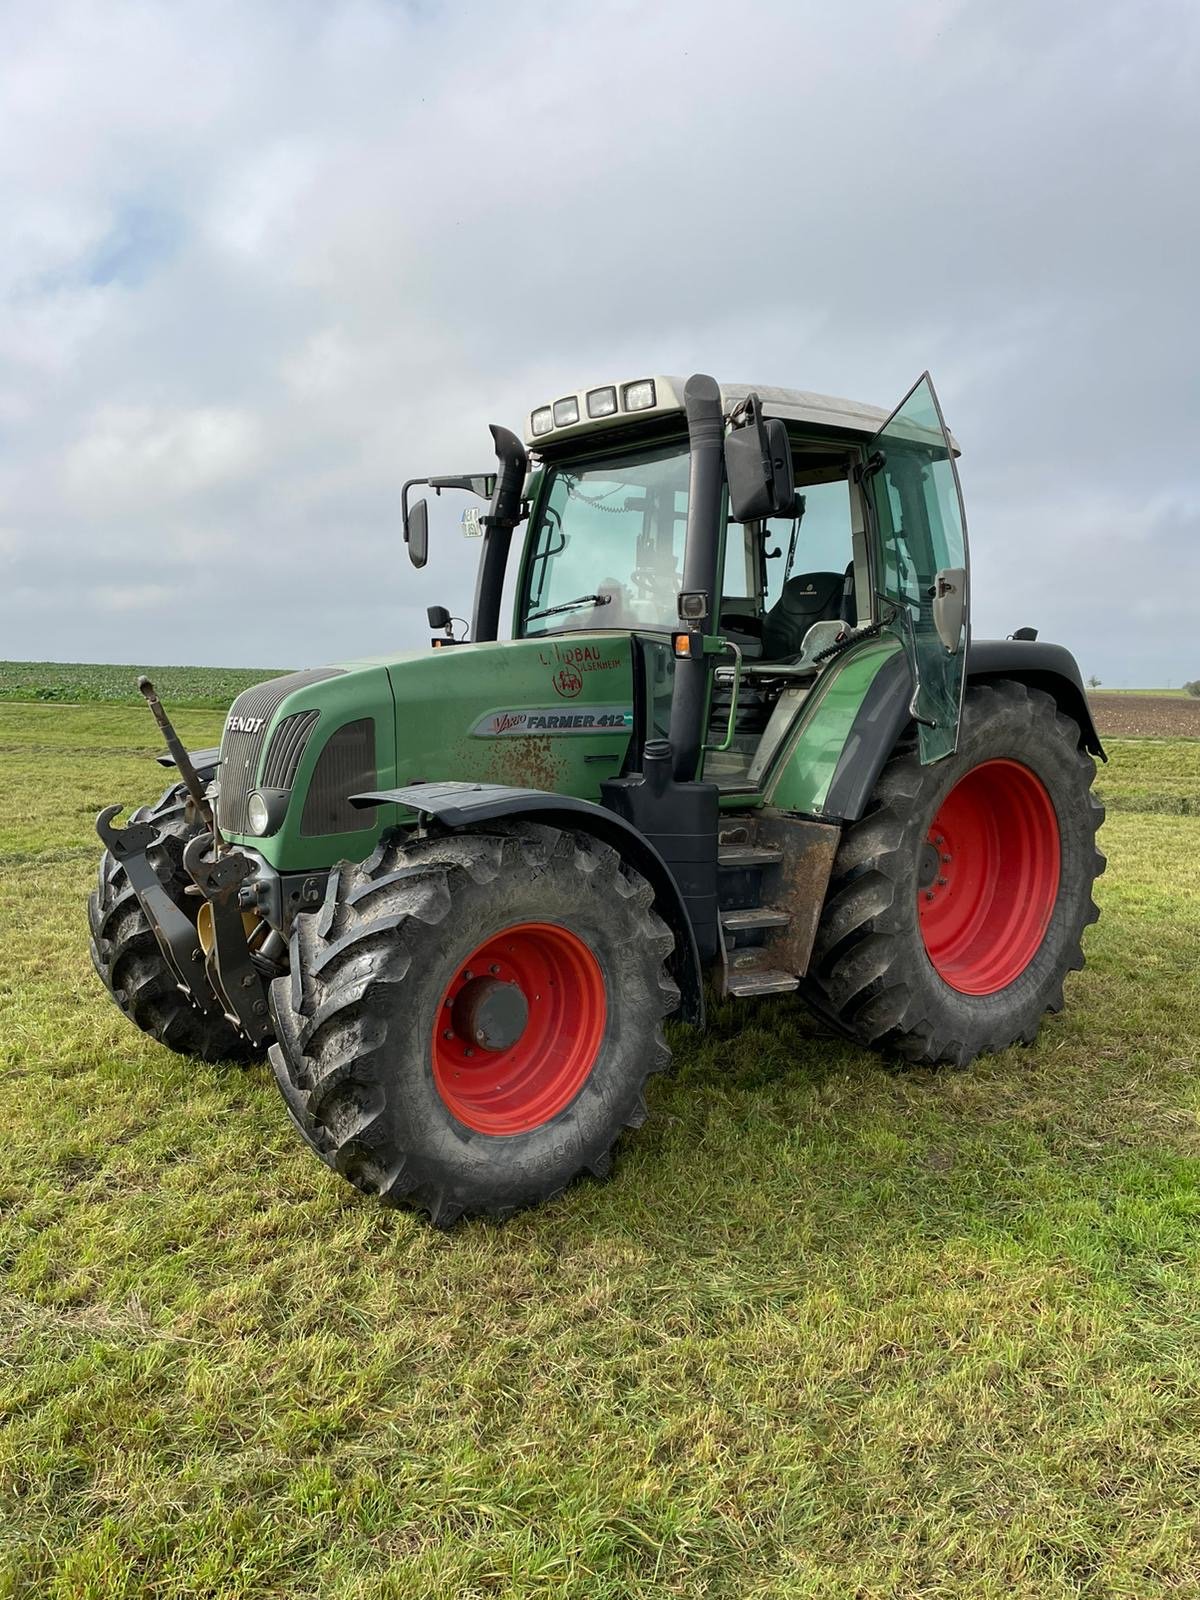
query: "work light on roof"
541, 421
638, 396
601, 402
566, 412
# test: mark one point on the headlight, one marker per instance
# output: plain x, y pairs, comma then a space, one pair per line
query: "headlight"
257, 814
602, 402
639, 396
566, 412
541, 421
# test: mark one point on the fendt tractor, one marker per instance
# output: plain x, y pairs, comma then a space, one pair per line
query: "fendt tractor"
740, 741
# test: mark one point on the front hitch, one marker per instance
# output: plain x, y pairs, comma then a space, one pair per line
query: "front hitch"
230, 970
176, 934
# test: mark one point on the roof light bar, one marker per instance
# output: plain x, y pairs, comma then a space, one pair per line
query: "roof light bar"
638, 396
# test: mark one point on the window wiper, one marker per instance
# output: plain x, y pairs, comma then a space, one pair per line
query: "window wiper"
570, 605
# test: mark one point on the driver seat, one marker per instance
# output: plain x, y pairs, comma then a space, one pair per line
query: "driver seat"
809, 597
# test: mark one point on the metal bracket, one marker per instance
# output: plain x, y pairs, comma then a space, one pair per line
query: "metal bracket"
230, 970
177, 937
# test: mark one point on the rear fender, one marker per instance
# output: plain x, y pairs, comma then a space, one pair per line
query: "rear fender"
466, 805
883, 715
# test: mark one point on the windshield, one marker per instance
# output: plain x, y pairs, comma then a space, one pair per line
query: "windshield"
608, 548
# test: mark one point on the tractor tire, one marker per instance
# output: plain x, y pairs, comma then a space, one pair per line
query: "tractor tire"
470, 1020
126, 955
957, 902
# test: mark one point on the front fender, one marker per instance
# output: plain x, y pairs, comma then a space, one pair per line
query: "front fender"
466, 805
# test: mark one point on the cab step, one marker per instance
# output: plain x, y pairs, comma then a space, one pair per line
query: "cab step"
748, 919
739, 856
752, 981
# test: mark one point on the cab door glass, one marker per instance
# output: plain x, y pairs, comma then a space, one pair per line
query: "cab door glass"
920, 550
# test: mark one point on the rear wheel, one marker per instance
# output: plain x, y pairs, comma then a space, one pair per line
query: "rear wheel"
470, 1020
957, 903
126, 955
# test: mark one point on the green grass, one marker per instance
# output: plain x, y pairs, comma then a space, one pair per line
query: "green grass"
1151, 775
833, 1330
1171, 694
211, 688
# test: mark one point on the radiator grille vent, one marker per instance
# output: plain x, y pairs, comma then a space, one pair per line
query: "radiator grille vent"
346, 766
240, 751
287, 746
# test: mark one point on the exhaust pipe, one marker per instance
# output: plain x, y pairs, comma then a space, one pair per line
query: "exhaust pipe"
706, 443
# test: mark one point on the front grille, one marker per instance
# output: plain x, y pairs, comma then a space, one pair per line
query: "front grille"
240, 752
287, 746
346, 766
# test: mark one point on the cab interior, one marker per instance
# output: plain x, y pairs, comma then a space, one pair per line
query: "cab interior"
793, 589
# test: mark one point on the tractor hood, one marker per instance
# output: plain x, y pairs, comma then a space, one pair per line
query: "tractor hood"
554, 714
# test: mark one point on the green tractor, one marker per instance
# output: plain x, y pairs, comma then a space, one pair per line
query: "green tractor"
741, 732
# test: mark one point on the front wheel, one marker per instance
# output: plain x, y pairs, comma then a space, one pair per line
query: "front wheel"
470, 1021
957, 903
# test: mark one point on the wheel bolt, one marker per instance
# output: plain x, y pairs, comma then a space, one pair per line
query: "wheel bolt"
929, 894
448, 1034
493, 969
942, 882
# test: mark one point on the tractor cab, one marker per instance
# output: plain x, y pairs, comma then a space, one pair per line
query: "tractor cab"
839, 558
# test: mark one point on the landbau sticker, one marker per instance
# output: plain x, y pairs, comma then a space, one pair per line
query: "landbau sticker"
553, 719
472, 525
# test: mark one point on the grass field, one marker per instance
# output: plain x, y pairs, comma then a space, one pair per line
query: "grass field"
833, 1330
86, 683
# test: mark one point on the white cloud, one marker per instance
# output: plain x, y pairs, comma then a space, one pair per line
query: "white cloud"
263, 261
134, 457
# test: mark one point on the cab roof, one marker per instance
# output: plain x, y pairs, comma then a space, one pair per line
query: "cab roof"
792, 405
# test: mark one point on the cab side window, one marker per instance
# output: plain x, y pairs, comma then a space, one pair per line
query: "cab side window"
823, 538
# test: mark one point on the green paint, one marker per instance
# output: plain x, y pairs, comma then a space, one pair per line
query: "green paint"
363, 690
552, 713
800, 778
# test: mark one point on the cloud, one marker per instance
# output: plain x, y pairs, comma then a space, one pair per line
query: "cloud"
264, 262
137, 458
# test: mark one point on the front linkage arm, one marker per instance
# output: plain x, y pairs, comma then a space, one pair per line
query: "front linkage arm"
176, 934
227, 983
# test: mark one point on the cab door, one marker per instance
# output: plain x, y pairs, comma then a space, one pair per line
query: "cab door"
919, 552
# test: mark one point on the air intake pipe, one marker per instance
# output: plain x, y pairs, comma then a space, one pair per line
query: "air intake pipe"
502, 518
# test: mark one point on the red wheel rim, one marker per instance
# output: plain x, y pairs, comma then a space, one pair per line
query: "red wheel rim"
519, 1028
988, 877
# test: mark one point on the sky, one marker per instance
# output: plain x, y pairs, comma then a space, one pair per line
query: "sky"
264, 261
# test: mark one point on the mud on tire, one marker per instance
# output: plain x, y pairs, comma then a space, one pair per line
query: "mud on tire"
126, 955
872, 973
359, 1017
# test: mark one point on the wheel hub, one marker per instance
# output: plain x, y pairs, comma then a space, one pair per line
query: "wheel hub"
927, 867
490, 1013
519, 1028
987, 877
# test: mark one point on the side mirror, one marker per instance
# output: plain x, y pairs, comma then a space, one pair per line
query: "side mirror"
417, 531
758, 467
481, 483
